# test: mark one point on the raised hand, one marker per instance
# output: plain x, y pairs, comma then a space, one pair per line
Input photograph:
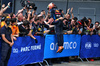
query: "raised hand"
3, 5
9, 3
68, 10
71, 10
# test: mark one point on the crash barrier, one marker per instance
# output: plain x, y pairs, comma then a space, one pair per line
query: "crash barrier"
90, 46
71, 46
26, 51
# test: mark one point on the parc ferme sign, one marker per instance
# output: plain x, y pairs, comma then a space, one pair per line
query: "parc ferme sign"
26, 51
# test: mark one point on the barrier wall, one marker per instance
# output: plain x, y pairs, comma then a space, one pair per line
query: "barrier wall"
71, 46
90, 46
26, 51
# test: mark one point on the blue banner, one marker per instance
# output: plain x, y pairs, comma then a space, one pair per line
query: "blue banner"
26, 51
90, 46
71, 46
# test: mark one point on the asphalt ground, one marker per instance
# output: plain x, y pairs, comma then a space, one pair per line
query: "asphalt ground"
85, 63
96, 62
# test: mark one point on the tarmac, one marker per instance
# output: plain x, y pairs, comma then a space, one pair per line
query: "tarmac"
85, 63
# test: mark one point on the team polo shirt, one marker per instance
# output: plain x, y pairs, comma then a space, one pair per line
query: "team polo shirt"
7, 32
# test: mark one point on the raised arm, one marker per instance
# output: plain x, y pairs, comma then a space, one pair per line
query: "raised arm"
33, 12
72, 12
2, 10
29, 14
19, 11
67, 12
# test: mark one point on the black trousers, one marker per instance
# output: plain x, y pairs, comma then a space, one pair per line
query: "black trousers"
60, 39
5, 54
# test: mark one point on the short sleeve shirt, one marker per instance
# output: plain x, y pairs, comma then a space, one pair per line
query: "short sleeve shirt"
7, 32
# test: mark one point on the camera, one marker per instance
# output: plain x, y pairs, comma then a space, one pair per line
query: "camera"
28, 4
81, 22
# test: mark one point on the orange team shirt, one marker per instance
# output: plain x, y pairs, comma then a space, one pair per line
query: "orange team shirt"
2, 23
15, 30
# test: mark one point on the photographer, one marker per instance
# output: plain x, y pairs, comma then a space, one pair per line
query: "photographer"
99, 30
77, 29
28, 6
96, 28
90, 25
7, 42
24, 29
84, 26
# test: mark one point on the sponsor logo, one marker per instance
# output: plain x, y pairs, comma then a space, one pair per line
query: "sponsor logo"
88, 45
15, 50
66, 45
70, 45
96, 45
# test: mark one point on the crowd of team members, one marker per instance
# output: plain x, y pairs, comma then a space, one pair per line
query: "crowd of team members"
40, 24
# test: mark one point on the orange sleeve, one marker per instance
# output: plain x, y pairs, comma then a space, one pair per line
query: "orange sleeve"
12, 30
2, 24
